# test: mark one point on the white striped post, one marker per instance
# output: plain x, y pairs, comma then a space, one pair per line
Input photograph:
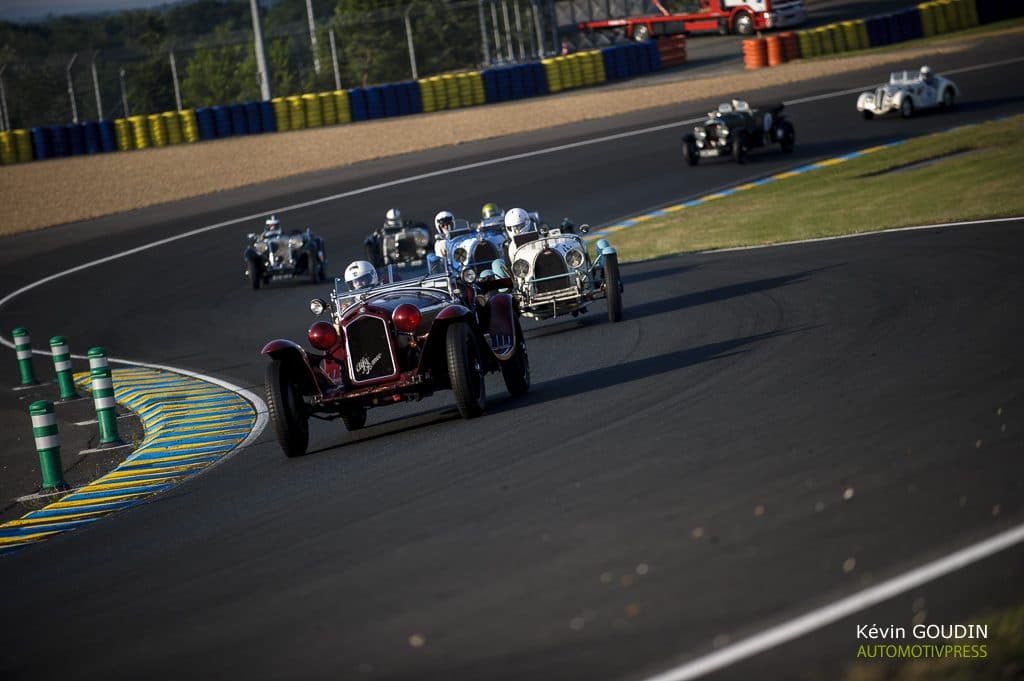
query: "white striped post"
62, 365
23, 349
103, 398
44, 430
97, 357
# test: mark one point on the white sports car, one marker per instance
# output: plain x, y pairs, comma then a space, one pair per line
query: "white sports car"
908, 91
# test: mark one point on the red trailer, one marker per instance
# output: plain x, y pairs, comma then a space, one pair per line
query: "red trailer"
723, 16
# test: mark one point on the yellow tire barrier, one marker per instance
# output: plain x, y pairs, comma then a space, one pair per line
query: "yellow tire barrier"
566, 72
587, 69
437, 92
949, 14
972, 13
451, 90
8, 156
327, 108
862, 33
479, 94
927, 12
465, 88
807, 48
172, 122
123, 134
22, 145
577, 69
281, 115
311, 110
341, 106
599, 72
427, 96
296, 113
553, 74
189, 125
140, 132
824, 37
964, 13
850, 36
157, 130
838, 37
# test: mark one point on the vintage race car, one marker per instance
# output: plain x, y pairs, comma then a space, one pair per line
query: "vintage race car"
274, 255
907, 92
477, 245
396, 342
735, 128
404, 245
554, 274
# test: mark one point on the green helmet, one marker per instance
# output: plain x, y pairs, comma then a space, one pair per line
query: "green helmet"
490, 210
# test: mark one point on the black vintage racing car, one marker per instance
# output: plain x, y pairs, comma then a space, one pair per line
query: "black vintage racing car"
273, 255
399, 242
735, 128
393, 342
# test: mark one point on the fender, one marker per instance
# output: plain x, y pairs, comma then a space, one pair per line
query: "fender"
433, 356
502, 326
285, 351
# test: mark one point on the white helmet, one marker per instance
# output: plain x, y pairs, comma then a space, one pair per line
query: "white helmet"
360, 274
273, 224
926, 71
516, 220
443, 222
393, 217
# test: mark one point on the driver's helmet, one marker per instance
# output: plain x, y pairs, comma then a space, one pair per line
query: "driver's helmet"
926, 72
273, 227
360, 274
443, 223
489, 210
517, 221
393, 218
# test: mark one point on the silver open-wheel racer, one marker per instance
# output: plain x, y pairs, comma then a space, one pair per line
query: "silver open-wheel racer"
388, 341
553, 272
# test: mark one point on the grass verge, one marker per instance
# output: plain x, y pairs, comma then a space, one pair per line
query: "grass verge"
969, 173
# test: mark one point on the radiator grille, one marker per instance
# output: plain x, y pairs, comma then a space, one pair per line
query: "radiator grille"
550, 264
369, 349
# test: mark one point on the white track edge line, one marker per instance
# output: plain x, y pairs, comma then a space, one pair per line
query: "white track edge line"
829, 614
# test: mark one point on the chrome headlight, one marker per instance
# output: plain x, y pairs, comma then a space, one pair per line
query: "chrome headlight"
469, 275
723, 132
700, 133
316, 306
295, 241
422, 239
260, 247
460, 255
520, 268
574, 258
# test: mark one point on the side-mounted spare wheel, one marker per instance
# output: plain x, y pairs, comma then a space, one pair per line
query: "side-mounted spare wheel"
287, 410
465, 370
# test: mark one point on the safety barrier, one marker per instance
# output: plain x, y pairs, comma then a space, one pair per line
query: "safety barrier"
755, 53
671, 50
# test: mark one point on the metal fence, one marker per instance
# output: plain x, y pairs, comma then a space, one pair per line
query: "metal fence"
422, 38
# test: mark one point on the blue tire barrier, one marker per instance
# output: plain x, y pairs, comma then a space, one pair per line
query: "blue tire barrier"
253, 120
59, 141
895, 28
389, 99
42, 144
998, 10
374, 103
635, 65
91, 134
268, 121
222, 121
490, 79
404, 99
504, 85
913, 29
516, 87
540, 78
357, 103
76, 139
653, 56
239, 120
529, 84
608, 57
108, 136
206, 123
621, 62
415, 97
878, 33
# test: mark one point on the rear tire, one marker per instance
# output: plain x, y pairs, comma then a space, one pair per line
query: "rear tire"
516, 369
287, 410
611, 287
465, 370
906, 107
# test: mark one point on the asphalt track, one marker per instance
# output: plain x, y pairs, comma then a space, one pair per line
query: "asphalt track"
802, 406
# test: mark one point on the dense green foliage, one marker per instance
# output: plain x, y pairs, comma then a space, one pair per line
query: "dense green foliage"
213, 48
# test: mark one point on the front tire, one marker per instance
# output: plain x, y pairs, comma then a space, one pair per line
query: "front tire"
788, 140
465, 370
612, 292
287, 410
948, 98
739, 149
906, 107
690, 150
255, 273
868, 115
516, 369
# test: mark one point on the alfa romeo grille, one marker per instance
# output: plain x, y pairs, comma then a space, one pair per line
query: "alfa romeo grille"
550, 264
369, 349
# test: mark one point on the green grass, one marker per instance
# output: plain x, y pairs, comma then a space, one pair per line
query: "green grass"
856, 196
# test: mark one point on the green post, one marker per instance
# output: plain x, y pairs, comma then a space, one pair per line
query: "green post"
97, 357
44, 430
62, 365
103, 398
23, 348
